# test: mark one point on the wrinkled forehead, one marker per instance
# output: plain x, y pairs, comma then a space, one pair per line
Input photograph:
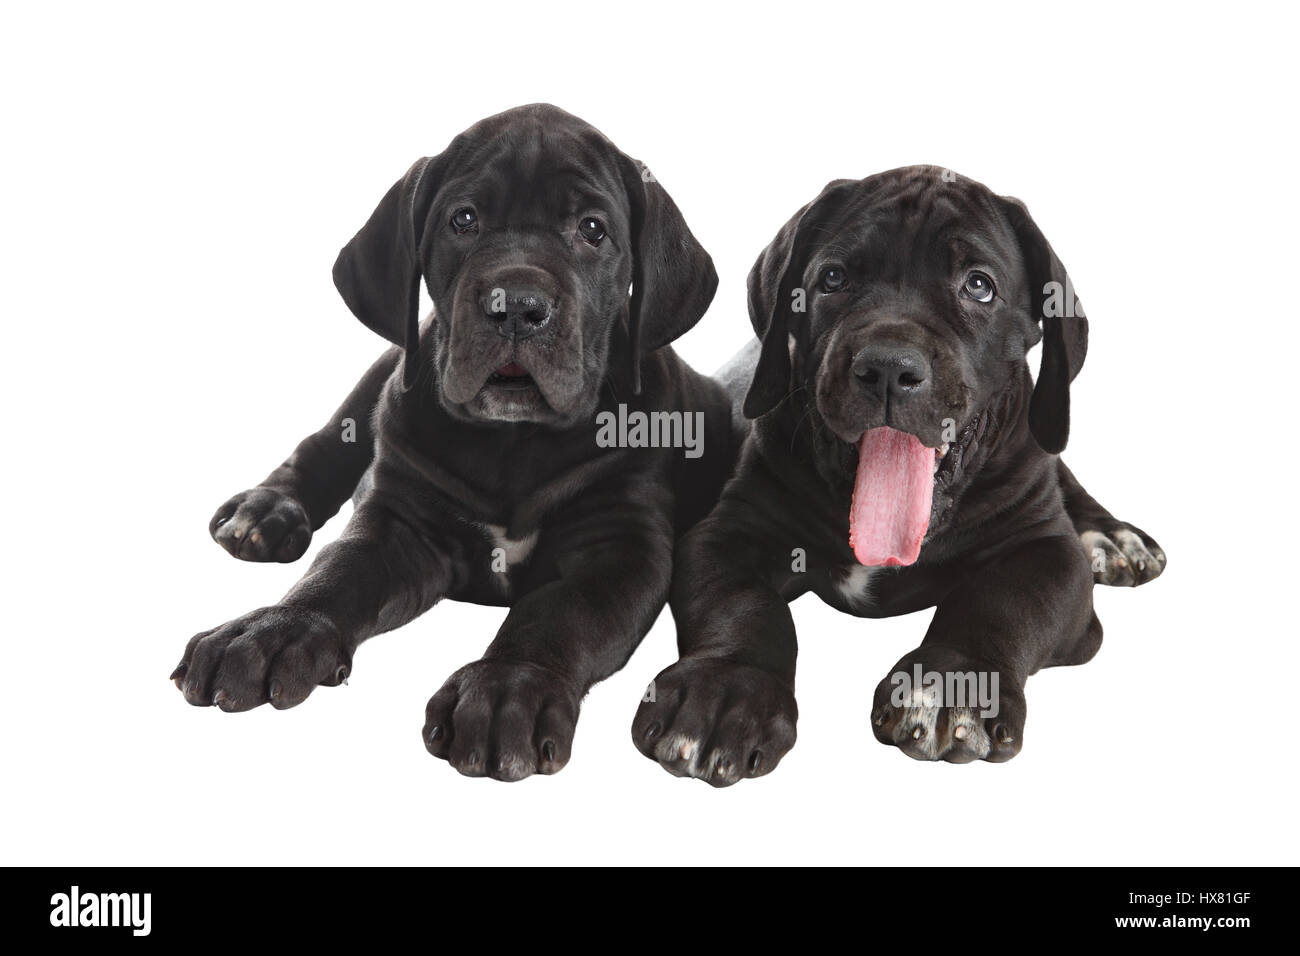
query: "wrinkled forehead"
535, 171
918, 223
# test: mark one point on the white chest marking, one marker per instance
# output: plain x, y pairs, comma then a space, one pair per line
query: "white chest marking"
515, 550
855, 585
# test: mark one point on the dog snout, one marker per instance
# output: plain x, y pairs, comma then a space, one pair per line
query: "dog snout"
892, 372
518, 312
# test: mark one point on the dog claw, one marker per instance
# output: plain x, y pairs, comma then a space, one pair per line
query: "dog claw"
918, 732
218, 697
960, 733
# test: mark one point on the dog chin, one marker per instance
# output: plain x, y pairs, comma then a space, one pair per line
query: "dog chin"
511, 404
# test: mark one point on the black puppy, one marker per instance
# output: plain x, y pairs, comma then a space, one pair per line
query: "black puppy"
902, 458
487, 482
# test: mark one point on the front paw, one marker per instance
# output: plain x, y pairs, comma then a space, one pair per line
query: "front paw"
502, 720
262, 524
1123, 556
716, 720
940, 704
275, 655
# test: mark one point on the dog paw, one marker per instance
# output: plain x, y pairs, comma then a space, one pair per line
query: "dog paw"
939, 704
1123, 556
717, 721
275, 655
262, 524
502, 720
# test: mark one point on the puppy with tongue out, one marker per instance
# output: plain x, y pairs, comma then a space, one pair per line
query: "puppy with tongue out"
894, 316
892, 496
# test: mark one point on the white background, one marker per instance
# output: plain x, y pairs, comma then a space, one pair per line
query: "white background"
175, 187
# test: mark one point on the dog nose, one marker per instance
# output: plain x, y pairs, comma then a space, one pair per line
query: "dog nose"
518, 312
891, 371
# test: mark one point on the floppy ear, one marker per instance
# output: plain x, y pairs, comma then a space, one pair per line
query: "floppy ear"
771, 285
378, 272
673, 279
1065, 331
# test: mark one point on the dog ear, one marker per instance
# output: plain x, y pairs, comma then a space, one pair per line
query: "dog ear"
771, 285
1065, 330
378, 273
673, 279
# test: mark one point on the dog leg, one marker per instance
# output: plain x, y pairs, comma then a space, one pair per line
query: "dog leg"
725, 711
590, 592
960, 695
275, 520
1119, 553
377, 576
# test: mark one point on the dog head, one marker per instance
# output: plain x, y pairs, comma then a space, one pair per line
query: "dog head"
542, 247
905, 303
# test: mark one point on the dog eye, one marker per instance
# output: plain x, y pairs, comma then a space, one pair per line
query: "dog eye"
832, 279
591, 229
463, 220
980, 287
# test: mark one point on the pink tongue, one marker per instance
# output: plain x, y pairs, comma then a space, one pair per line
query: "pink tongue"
891, 497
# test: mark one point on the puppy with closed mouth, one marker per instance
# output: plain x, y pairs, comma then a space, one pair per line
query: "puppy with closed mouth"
900, 457
559, 272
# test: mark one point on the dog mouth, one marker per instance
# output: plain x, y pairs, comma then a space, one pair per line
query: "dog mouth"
896, 493
510, 394
511, 377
